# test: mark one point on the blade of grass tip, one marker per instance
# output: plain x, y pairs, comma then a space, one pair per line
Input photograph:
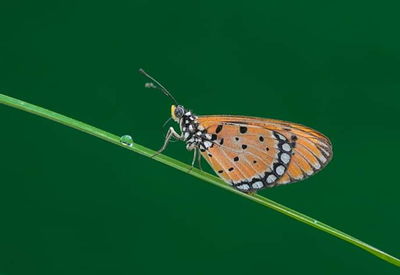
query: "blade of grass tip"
27, 107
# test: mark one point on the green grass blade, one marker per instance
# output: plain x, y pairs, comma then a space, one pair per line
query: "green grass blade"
27, 107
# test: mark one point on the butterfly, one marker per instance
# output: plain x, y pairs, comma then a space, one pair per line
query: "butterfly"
249, 153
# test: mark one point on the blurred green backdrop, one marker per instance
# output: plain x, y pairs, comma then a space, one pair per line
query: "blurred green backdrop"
73, 204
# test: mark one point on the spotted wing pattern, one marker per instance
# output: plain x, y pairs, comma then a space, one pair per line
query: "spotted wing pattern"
254, 153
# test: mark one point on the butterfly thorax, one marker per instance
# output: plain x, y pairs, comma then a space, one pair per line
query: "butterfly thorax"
194, 134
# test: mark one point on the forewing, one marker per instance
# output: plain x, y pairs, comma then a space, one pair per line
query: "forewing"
254, 153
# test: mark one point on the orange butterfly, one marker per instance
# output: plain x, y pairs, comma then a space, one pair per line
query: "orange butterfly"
249, 153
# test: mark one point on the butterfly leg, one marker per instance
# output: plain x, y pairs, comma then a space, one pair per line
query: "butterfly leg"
199, 161
171, 133
194, 159
196, 155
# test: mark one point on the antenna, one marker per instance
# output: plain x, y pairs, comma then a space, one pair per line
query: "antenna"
157, 85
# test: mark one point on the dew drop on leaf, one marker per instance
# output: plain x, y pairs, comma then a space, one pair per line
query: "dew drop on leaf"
126, 140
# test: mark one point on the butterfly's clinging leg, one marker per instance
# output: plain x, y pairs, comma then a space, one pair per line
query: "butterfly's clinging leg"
194, 159
171, 133
199, 161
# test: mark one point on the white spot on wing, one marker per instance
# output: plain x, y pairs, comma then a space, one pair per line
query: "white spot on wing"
286, 147
280, 170
281, 137
271, 178
257, 185
243, 187
285, 158
207, 143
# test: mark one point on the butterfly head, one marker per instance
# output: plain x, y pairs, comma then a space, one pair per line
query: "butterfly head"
177, 112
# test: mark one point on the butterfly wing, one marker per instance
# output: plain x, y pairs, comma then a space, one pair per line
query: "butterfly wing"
254, 153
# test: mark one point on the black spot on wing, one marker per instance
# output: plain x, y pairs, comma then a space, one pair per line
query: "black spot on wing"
219, 128
243, 129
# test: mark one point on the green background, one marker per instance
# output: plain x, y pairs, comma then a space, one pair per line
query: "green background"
73, 204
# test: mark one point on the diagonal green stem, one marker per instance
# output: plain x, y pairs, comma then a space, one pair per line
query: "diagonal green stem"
16, 103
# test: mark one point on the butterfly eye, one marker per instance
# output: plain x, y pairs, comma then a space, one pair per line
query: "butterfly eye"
179, 111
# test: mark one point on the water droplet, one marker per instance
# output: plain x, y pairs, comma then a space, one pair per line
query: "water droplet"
127, 140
